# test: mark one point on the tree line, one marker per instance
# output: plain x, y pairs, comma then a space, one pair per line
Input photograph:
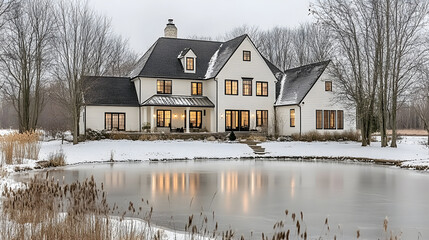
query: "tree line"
46, 49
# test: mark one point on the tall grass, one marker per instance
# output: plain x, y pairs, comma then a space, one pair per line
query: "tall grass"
311, 136
15, 147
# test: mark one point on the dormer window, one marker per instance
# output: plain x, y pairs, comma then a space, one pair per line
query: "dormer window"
328, 86
188, 60
246, 56
190, 64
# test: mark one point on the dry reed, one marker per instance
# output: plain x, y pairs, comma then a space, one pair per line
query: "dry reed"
15, 147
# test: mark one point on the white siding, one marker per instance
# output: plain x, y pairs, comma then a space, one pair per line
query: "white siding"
236, 69
95, 117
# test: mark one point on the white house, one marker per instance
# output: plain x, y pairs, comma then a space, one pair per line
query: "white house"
195, 85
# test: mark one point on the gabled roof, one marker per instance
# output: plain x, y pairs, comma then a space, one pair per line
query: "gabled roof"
183, 52
297, 82
161, 60
109, 91
178, 101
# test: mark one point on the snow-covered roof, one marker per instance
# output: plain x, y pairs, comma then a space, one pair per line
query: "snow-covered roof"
178, 101
162, 59
297, 82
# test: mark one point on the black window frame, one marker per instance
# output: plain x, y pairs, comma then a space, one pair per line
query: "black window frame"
321, 119
187, 65
196, 112
197, 87
290, 117
239, 127
251, 86
327, 119
157, 116
111, 120
262, 88
163, 87
328, 83
245, 56
260, 115
340, 121
236, 82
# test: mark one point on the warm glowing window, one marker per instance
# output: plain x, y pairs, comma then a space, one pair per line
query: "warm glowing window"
292, 117
195, 119
261, 89
190, 64
329, 119
328, 86
114, 121
261, 118
163, 86
197, 88
246, 56
340, 119
319, 119
247, 87
163, 118
231, 87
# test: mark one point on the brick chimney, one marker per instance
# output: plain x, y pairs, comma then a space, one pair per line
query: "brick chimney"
170, 30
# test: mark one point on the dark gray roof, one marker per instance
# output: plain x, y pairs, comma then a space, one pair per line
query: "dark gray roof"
178, 101
278, 74
161, 60
297, 82
109, 91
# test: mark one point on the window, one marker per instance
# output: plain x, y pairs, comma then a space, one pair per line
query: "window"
114, 121
261, 118
340, 119
237, 120
332, 119
246, 56
231, 87
328, 86
247, 87
261, 89
292, 117
190, 64
195, 119
163, 118
197, 88
319, 119
163, 86
329, 119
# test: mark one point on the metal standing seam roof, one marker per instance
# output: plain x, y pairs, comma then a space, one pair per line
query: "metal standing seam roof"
178, 101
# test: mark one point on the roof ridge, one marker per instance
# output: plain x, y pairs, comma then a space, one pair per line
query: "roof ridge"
308, 65
188, 39
102, 76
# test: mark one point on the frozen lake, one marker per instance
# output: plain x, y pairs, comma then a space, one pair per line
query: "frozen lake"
251, 196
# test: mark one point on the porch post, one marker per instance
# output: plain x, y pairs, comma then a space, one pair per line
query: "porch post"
152, 119
144, 115
187, 119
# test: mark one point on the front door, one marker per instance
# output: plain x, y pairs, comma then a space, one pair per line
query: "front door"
237, 120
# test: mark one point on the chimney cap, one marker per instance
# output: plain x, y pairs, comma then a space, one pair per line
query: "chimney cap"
170, 21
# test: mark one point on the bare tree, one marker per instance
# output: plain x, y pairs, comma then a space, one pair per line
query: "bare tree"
421, 99
120, 60
25, 58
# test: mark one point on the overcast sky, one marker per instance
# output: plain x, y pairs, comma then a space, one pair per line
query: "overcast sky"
142, 22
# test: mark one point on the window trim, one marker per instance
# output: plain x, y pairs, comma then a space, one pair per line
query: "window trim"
262, 118
192, 88
111, 120
321, 119
228, 80
251, 86
290, 117
250, 56
262, 89
162, 110
239, 114
163, 86
193, 64
328, 83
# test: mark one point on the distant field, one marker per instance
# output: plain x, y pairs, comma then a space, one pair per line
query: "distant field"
410, 132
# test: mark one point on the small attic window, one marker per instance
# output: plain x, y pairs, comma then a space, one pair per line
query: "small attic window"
328, 86
190, 64
246, 56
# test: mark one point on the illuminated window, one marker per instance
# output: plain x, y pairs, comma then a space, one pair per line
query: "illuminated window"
197, 88
114, 121
328, 86
246, 56
329, 119
163, 87
237, 120
190, 64
340, 119
261, 88
261, 118
231, 87
247, 87
195, 119
163, 118
292, 117
319, 119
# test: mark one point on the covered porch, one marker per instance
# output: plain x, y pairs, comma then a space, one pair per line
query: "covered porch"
170, 113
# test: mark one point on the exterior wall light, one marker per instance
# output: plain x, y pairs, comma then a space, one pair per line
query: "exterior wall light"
175, 115
221, 116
